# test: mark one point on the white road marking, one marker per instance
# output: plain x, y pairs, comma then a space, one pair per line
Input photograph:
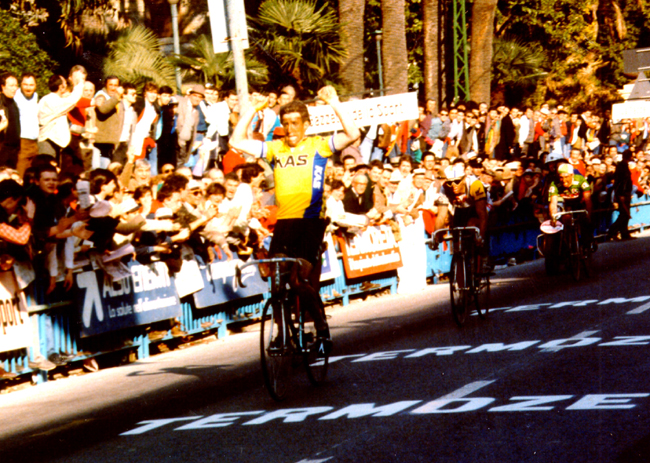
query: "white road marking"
640, 309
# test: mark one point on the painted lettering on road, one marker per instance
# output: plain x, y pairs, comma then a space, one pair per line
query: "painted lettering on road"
458, 401
614, 301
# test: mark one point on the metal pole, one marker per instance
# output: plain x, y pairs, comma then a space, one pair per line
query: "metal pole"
378, 38
237, 20
177, 44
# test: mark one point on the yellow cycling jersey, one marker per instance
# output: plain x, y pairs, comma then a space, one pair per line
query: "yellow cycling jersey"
299, 174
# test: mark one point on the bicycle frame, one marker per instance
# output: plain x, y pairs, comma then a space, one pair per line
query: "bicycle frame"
280, 291
465, 283
283, 334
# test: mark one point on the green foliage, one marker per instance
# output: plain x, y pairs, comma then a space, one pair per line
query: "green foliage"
298, 41
136, 57
200, 62
19, 53
517, 67
583, 41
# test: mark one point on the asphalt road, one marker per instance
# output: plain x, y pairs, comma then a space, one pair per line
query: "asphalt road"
557, 373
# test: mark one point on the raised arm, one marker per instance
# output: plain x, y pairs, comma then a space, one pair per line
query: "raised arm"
239, 138
350, 131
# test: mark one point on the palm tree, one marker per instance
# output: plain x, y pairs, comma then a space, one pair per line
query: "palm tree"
200, 62
480, 60
351, 16
86, 17
298, 41
394, 54
515, 66
136, 57
430, 45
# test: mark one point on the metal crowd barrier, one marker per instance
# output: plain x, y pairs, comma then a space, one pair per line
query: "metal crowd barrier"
61, 320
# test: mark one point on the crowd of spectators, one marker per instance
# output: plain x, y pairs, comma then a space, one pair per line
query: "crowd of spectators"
87, 177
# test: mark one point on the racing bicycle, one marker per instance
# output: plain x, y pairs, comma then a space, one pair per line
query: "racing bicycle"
287, 334
467, 284
564, 244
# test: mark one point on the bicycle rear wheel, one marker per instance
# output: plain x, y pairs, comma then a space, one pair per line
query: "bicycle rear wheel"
316, 363
482, 296
457, 288
575, 255
276, 352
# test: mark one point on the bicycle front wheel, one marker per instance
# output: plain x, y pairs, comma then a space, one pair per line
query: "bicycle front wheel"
458, 289
316, 363
575, 255
276, 352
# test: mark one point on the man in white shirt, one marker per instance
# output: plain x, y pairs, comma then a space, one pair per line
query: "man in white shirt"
27, 100
54, 132
526, 130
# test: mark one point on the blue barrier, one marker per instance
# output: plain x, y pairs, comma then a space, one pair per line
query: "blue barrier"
58, 331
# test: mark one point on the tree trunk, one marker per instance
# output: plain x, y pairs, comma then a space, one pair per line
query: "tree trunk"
431, 30
393, 48
480, 60
351, 16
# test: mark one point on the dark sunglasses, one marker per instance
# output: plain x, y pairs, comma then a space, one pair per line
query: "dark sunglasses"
168, 171
454, 182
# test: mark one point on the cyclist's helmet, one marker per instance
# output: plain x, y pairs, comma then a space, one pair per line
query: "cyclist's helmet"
554, 156
455, 172
565, 168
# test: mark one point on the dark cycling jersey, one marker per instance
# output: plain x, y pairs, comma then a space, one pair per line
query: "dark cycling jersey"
465, 204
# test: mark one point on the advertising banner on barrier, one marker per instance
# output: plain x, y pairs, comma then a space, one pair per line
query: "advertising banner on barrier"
381, 110
15, 327
147, 296
330, 268
219, 284
374, 250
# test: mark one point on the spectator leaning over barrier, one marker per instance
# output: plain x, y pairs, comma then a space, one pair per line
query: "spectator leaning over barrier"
9, 121
54, 133
50, 223
16, 217
27, 100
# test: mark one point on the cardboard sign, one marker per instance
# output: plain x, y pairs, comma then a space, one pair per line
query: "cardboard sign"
15, 327
219, 284
385, 109
372, 251
148, 296
633, 109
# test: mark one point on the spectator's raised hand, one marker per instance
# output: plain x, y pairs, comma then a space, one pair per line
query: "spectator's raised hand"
30, 209
328, 95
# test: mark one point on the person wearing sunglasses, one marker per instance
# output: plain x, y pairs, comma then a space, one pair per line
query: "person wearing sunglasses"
467, 203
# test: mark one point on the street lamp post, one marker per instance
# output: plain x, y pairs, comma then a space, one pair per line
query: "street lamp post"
177, 45
378, 37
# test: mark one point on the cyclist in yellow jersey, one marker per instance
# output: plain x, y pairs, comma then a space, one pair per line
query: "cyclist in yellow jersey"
298, 165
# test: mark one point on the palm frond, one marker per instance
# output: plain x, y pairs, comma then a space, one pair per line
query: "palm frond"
136, 57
